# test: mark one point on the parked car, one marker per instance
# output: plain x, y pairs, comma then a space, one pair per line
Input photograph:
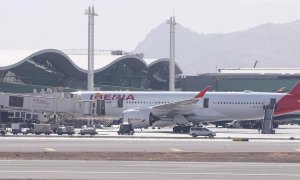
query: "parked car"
201, 131
126, 128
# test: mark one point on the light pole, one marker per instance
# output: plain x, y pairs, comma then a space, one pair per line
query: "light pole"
90, 80
172, 23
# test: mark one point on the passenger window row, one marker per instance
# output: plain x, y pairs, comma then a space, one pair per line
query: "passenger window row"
148, 102
145, 102
237, 102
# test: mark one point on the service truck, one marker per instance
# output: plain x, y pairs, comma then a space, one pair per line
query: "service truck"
26, 130
69, 130
233, 124
91, 130
42, 129
16, 128
3, 130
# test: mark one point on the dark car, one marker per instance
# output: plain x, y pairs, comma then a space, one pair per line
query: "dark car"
126, 129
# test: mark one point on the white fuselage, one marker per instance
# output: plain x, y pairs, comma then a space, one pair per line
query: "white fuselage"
219, 106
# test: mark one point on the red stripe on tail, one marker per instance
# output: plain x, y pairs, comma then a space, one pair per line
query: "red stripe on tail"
290, 102
296, 90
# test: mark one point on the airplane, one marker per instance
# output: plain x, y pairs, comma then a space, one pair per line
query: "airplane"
149, 108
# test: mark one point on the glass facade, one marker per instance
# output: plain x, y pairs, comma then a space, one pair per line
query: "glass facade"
239, 82
54, 70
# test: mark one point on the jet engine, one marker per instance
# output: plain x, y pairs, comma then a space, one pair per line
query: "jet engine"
138, 118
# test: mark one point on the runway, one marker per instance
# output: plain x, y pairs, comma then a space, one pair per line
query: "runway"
145, 170
65, 144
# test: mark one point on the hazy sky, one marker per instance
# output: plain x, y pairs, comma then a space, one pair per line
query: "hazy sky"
122, 24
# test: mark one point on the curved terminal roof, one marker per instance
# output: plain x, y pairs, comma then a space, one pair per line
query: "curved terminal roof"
77, 58
152, 62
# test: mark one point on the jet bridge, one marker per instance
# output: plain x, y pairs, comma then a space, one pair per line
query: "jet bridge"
37, 102
56, 103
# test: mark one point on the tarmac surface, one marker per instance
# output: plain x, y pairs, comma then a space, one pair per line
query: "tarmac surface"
153, 153
284, 132
65, 144
287, 139
48, 169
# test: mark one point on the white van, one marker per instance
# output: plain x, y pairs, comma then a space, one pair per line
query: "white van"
201, 131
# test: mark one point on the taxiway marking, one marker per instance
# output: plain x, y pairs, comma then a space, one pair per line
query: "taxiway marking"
175, 149
50, 149
158, 172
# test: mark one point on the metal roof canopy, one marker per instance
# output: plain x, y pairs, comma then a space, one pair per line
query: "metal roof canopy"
77, 62
259, 71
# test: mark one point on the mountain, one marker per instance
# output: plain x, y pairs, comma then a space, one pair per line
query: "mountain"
272, 45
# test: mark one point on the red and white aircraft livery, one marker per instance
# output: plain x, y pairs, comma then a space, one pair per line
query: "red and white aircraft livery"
144, 109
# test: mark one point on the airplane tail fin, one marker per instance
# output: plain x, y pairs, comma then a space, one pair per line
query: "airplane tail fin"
296, 90
290, 102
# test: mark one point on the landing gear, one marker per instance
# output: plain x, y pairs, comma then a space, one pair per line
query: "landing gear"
275, 125
176, 129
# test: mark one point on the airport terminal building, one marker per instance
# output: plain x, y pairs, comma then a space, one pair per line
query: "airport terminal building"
240, 79
22, 71
25, 70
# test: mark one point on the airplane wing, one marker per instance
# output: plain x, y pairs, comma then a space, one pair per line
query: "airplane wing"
178, 107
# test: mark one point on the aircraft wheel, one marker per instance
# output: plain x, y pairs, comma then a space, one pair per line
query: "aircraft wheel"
275, 125
176, 129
